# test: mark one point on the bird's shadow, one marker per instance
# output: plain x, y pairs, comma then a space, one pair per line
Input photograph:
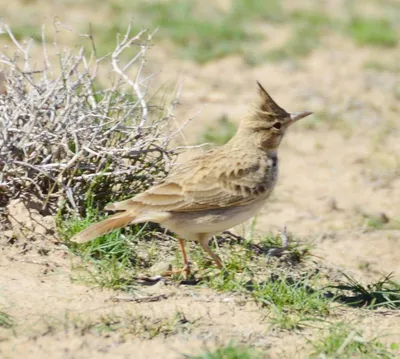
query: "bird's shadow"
384, 293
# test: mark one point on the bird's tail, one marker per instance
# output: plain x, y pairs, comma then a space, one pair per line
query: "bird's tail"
116, 221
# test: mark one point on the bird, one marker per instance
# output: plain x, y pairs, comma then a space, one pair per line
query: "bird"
216, 190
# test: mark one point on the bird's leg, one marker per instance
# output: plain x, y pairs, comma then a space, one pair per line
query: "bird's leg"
186, 266
204, 239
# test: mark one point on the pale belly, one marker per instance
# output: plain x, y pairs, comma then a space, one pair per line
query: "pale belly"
213, 221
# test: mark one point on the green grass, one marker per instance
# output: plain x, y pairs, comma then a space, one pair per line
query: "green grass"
219, 133
343, 341
261, 10
105, 36
382, 65
383, 293
317, 19
246, 257
371, 31
375, 222
230, 351
291, 301
202, 33
302, 42
109, 261
308, 27
381, 221
27, 32
6, 321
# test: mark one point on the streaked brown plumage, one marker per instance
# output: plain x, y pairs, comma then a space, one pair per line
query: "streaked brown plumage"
214, 191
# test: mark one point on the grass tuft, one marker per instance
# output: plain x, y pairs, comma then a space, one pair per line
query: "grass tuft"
27, 32
6, 321
304, 39
229, 351
370, 31
264, 10
109, 261
383, 293
220, 132
293, 302
343, 341
201, 33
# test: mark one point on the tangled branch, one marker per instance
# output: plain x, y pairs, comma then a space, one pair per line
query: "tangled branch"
67, 140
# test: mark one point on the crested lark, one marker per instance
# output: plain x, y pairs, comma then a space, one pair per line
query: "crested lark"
214, 191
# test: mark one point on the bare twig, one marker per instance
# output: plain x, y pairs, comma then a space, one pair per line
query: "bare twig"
127, 42
279, 251
64, 139
148, 299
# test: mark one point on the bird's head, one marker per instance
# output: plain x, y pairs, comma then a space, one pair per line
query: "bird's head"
269, 122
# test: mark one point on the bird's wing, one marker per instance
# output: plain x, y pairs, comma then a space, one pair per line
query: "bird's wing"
206, 182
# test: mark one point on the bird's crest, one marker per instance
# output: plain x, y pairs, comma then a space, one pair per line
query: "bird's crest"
267, 105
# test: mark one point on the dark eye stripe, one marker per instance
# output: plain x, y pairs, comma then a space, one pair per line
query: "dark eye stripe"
276, 126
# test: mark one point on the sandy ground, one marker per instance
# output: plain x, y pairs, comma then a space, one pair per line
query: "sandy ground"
332, 176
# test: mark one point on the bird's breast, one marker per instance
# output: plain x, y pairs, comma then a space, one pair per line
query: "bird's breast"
271, 174
272, 161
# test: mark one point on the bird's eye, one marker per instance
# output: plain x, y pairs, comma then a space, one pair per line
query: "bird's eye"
277, 125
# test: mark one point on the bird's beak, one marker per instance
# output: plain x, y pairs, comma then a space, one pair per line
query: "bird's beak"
295, 116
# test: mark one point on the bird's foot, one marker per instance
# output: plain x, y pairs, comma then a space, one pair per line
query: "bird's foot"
185, 271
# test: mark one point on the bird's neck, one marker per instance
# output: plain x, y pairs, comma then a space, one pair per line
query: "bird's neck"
264, 141
272, 152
